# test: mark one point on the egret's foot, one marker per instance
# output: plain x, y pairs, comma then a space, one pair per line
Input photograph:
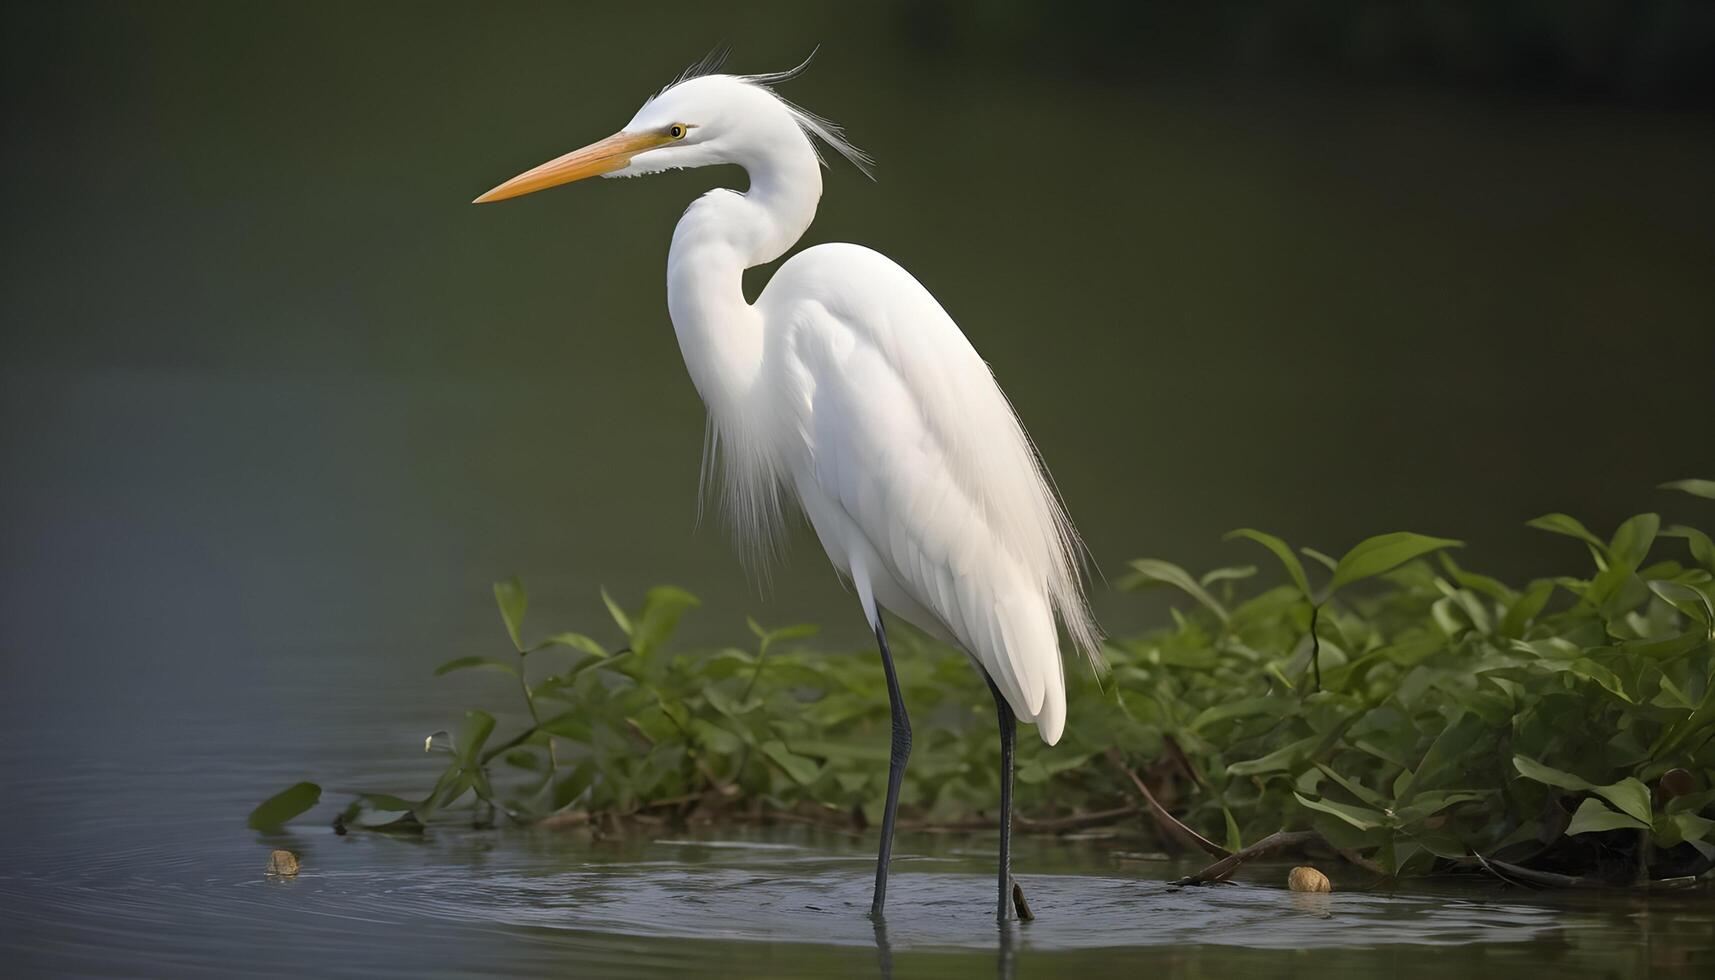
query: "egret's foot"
1019, 904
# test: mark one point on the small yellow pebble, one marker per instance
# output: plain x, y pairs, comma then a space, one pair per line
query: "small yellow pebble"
1308, 880
283, 863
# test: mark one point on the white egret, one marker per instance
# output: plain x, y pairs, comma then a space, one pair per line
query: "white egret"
847, 389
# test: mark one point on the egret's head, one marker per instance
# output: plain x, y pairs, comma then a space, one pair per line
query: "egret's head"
703, 118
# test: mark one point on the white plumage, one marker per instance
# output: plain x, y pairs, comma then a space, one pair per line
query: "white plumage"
915, 473
847, 388
850, 387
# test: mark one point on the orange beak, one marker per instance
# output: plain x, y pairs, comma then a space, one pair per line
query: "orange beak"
603, 157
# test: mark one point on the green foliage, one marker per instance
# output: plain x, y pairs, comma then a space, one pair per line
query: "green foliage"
1409, 710
1439, 690
273, 812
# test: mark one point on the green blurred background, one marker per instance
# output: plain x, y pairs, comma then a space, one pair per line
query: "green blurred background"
272, 387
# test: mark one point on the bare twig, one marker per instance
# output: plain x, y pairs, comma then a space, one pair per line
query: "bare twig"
1519, 874
1168, 821
1184, 761
1544, 879
1223, 869
1354, 858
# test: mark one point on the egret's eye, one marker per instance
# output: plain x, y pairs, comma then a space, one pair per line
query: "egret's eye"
676, 131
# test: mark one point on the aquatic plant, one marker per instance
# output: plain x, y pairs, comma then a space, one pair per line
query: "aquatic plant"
1407, 712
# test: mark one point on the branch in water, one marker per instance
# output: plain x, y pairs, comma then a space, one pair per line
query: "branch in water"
1168, 821
1223, 869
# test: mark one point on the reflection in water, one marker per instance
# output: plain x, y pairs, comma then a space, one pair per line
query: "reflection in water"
805, 895
883, 949
1316, 904
1006, 951
779, 904
82, 890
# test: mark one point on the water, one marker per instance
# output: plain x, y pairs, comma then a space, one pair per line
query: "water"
124, 852
119, 888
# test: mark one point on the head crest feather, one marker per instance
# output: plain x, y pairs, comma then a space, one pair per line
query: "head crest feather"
816, 127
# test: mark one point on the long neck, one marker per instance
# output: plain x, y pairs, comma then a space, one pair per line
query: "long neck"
722, 234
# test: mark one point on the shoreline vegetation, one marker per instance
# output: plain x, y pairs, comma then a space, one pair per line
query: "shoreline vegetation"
1409, 715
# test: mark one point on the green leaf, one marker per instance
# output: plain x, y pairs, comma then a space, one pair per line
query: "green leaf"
803, 771
466, 663
1235, 840
510, 597
569, 787
1360, 817
1242, 708
1685, 599
1593, 817
1426, 805
1532, 769
570, 725
1591, 670
467, 745
1320, 557
1519, 615
1282, 551
729, 705
1673, 828
662, 608
620, 619
1280, 760
479, 784
715, 738
523, 759
385, 802
1382, 553
1230, 573
1630, 795
1633, 540
800, 631
1697, 488
1152, 570
1453, 752
575, 641
1367, 795
1688, 726
1569, 526
784, 634
273, 812
382, 813
1702, 548
1442, 844
1483, 584
453, 784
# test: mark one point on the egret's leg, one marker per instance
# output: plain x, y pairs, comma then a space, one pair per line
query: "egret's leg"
895, 768
1008, 729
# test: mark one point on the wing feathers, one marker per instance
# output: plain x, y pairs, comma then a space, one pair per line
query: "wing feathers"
908, 431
